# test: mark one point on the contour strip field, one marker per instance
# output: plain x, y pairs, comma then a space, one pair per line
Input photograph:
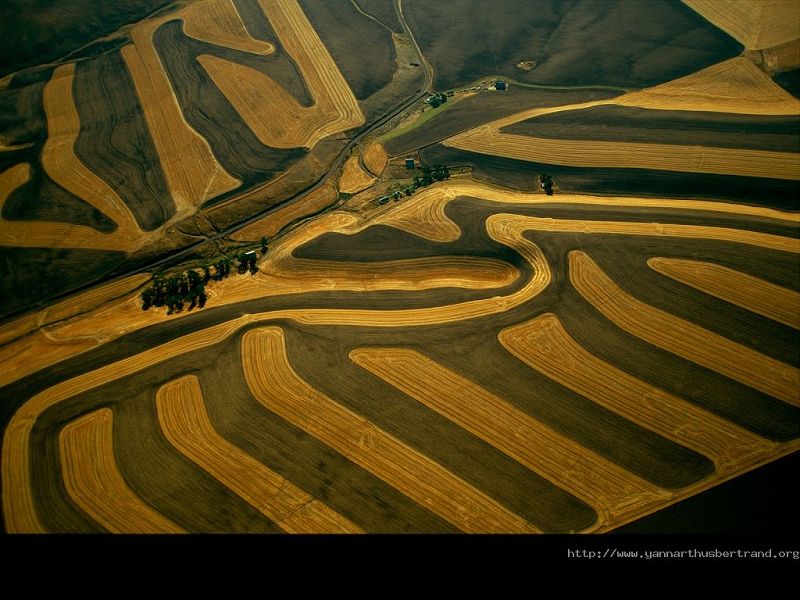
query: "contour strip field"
681, 337
423, 214
94, 483
611, 491
185, 423
275, 384
354, 178
751, 293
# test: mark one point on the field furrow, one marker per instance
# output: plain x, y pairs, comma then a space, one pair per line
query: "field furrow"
278, 387
94, 482
184, 421
680, 337
610, 490
751, 293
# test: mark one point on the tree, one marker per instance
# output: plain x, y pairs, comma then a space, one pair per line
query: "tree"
546, 182
263, 245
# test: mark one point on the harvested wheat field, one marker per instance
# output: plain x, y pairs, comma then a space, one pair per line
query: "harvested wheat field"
754, 294
757, 24
273, 114
354, 178
512, 296
680, 337
185, 423
220, 23
375, 158
96, 485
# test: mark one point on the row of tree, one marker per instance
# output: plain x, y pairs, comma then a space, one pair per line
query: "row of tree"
189, 287
175, 291
429, 175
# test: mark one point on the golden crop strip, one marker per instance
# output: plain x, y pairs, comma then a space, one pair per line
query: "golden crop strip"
185, 423
65, 168
614, 493
375, 158
424, 216
274, 116
751, 293
681, 337
218, 22
94, 483
545, 346
275, 384
18, 506
733, 86
279, 277
48, 234
757, 24
354, 178
663, 157
83, 302
272, 223
190, 168
321, 73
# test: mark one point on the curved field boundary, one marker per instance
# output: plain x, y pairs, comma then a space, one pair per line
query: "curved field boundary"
18, 508
321, 73
614, 493
756, 24
375, 159
49, 234
751, 293
735, 86
277, 276
185, 423
507, 229
463, 272
424, 216
67, 309
662, 157
354, 178
220, 23
681, 337
545, 346
274, 116
271, 224
94, 483
277, 386
65, 168
191, 170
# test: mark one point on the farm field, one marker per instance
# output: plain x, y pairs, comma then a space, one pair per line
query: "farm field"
304, 267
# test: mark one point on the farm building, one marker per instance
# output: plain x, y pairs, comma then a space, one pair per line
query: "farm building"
409, 163
500, 85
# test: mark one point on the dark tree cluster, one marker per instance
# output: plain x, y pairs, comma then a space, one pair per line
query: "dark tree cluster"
247, 261
175, 291
429, 175
436, 100
546, 182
